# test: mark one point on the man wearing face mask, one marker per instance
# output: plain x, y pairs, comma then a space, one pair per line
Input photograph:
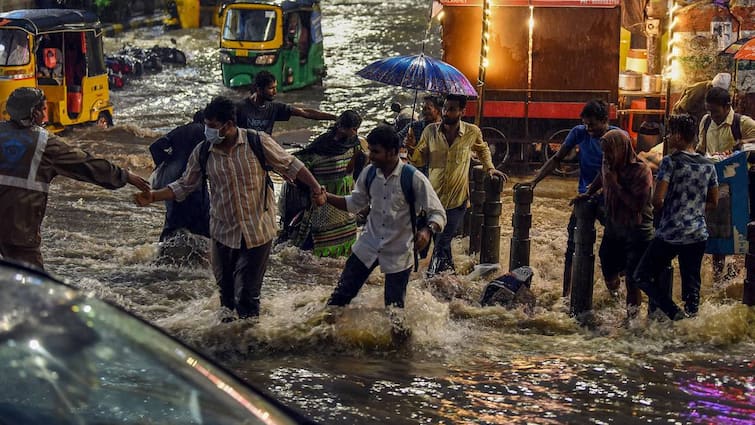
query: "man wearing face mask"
242, 210
30, 158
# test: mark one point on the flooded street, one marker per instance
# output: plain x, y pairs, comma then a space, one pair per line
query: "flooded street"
464, 363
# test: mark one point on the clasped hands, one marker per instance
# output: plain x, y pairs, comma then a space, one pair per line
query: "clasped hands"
320, 198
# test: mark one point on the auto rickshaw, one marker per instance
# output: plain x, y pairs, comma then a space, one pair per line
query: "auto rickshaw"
60, 52
282, 37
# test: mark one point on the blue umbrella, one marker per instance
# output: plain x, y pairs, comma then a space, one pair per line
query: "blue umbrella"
419, 72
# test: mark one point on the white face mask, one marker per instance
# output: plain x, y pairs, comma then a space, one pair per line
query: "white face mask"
212, 135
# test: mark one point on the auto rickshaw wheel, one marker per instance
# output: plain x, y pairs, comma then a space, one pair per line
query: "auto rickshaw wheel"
569, 166
104, 120
499, 146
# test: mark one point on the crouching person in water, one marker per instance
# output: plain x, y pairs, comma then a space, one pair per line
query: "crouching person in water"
388, 235
686, 186
242, 210
627, 184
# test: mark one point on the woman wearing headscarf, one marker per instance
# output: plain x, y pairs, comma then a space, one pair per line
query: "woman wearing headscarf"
627, 187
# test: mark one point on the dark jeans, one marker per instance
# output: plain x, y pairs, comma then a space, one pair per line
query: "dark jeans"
442, 258
31, 256
355, 273
239, 273
621, 254
657, 257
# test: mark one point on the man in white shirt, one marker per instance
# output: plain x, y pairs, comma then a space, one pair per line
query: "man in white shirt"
387, 236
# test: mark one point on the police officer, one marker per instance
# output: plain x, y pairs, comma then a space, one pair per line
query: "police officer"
30, 158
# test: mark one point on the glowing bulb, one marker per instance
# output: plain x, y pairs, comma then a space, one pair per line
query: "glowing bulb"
532, 23
485, 62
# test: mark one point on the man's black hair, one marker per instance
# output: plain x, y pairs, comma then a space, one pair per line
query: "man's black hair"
718, 96
459, 98
349, 119
263, 79
596, 108
221, 109
435, 101
198, 117
385, 136
684, 125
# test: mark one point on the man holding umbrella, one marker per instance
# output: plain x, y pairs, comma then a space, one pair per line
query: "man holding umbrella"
445, 148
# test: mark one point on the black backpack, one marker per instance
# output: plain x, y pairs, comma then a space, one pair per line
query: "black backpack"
256, 144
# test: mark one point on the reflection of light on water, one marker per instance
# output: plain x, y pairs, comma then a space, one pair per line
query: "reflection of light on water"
719, 398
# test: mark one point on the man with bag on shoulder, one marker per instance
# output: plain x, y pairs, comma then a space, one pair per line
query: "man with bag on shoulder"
721, 132
242, 210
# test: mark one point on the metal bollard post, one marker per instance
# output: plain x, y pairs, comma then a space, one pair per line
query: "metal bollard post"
521, 221
490, 246
748, 294
477, 198
583, 266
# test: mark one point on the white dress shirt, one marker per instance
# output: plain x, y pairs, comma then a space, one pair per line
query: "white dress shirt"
387, 236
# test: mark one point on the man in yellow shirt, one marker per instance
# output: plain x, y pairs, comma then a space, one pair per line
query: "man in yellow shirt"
446, 149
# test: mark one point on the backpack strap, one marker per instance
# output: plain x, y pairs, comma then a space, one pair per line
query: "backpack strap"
371, 173
706, 125
204, 155
407, 178
736, 128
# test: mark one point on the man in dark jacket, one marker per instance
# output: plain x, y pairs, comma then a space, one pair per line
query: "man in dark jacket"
30, 158
171, 154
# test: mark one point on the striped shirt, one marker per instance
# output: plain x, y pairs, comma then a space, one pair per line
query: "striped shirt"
237, 188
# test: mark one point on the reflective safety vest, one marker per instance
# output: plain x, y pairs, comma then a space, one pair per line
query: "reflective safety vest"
21, 151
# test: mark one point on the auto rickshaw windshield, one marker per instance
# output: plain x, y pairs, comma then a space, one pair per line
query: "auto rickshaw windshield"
14, 47
256, 25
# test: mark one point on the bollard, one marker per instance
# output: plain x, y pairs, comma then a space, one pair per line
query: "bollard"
490, 245
748, 293
477, 198
583, 265
521, 221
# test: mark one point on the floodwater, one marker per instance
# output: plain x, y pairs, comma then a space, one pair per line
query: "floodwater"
463, 363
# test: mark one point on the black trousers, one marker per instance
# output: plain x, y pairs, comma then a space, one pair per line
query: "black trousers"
239, 274
355, 273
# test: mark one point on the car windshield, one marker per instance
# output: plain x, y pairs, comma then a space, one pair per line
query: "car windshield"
14, 47
250, 25
66, 357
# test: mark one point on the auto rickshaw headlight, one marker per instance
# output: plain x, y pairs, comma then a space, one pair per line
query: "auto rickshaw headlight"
267, 59
225, 57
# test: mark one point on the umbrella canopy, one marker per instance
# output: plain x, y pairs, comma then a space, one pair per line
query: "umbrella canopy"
734, 47
419, 72
747, 51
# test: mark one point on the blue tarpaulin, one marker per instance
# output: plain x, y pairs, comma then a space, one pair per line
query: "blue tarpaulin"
727, 225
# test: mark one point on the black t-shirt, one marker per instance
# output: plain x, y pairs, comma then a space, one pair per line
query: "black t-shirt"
251, 116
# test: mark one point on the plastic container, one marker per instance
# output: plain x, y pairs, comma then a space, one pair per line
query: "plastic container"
74, 99
637, 60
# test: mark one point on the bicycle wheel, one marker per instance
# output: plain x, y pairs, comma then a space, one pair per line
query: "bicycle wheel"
499, 146
569, 166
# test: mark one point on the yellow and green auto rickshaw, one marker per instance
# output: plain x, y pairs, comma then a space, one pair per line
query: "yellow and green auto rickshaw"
60, 52
282, 37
